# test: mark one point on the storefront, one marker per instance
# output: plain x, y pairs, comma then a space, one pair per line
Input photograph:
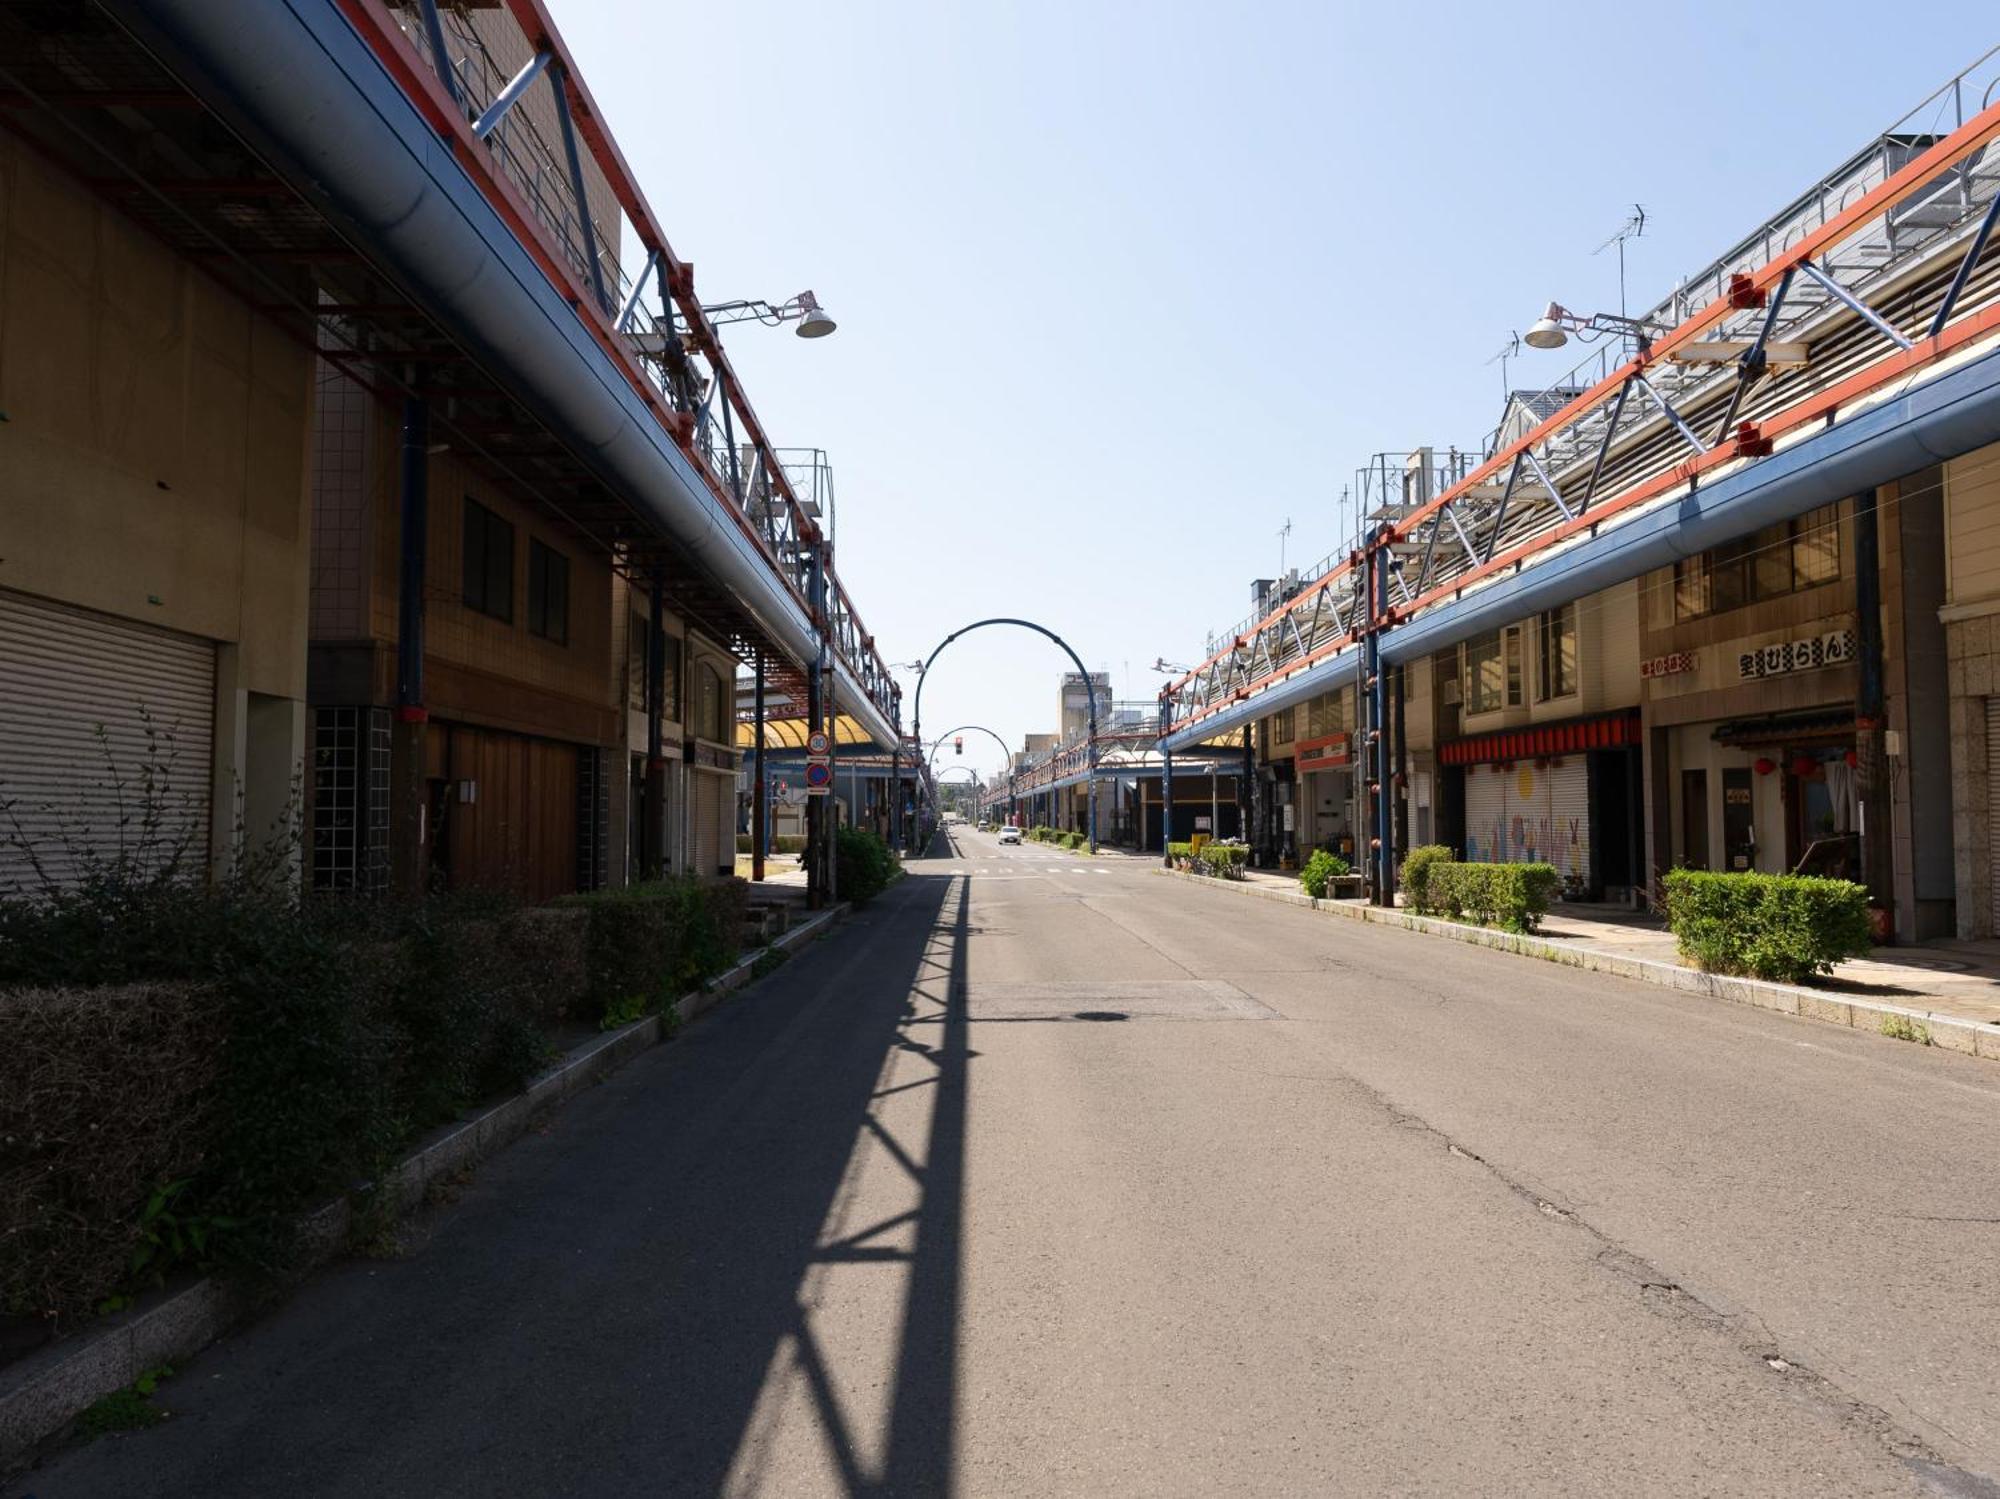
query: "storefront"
1565, 794
1753, 744
1326, 794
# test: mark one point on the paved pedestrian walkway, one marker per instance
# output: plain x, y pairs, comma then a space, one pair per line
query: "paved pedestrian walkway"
1957, 979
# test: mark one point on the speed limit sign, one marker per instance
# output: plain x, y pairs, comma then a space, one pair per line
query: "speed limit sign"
817, 743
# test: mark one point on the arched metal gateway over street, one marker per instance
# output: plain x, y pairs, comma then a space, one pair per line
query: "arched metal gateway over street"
917, 714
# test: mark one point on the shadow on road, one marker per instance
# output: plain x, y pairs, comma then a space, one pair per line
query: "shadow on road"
748, 1308
654, 1292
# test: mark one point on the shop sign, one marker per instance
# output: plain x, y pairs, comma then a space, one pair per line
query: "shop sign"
1327, 753
1787, 656
1673, 664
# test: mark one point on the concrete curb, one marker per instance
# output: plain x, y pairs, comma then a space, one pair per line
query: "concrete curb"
41, 1393
1948, 1031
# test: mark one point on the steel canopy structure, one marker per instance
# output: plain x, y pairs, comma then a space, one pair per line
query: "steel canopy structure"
410, 224
1875, 284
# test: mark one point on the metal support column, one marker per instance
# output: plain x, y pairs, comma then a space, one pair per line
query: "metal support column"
758, 821
653, 829
1166, 805
1871, 774
408, 862
815, 805
1375, 675
895, 807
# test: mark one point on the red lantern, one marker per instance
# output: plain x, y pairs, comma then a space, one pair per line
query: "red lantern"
1764, 767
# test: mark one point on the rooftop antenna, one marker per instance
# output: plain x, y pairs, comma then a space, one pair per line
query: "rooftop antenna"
1507, 351
1633, 227
1283, 531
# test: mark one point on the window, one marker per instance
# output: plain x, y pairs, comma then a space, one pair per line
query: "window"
1281, 726
1485, 681
489, 563
548, 593
1816, 547
1780, 559
709, 720
1555, 634
1493, 671
670, 690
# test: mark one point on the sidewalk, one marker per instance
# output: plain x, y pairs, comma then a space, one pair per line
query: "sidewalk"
1956, 984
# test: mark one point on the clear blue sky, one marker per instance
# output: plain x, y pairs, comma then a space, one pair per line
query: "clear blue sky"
1123, 287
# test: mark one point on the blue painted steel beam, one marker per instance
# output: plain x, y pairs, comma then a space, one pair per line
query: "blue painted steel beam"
308, 95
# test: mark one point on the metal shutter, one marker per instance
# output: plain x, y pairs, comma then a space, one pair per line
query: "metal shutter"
91, 708
1485, 814
1568, 844
708, 790
1993, 805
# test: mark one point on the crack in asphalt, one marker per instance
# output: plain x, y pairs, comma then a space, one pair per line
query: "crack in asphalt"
1662, 1294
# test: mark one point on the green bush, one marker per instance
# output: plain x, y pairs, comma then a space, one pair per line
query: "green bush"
1224, 860
1513, 896
1417, 866
864, 866
1320, 869
1180, 852
1783, 927
651, 943
1075, 840
105, 1094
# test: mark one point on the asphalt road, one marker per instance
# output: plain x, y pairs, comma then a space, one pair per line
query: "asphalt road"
1048, 1175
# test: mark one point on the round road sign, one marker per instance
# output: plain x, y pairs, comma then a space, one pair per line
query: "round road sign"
819, 775
817, 743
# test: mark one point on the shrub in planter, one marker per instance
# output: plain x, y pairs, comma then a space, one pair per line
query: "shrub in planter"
1321, 868
1075, 840
1181, 855
1416, 879
1513, 896
1783, 927
106, 1095
864, 866
1224, 861
548, 949
648, 944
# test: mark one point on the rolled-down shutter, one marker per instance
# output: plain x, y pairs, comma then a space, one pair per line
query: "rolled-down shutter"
1993, 804
1485, 814
1569, 818
106, 742
708, 822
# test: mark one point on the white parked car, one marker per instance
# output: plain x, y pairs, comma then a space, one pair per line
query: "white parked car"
1010, 835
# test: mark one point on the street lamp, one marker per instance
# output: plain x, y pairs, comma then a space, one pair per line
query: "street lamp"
804, 309
1552, 329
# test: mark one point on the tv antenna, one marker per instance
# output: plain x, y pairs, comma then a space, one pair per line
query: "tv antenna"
1283, 531
1507, 351
1633, 227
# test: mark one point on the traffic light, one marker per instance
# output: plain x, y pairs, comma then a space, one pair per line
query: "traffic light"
958, 744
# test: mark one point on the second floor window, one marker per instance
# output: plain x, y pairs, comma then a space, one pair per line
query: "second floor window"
1556, 634
1493, 671
548, 593
711, 718
489, 563
1780, 559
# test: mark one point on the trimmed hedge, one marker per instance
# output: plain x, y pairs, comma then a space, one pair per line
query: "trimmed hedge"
1417, 866
1320, 869
649, 944
1513, 896
105, 1094
1783, 927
